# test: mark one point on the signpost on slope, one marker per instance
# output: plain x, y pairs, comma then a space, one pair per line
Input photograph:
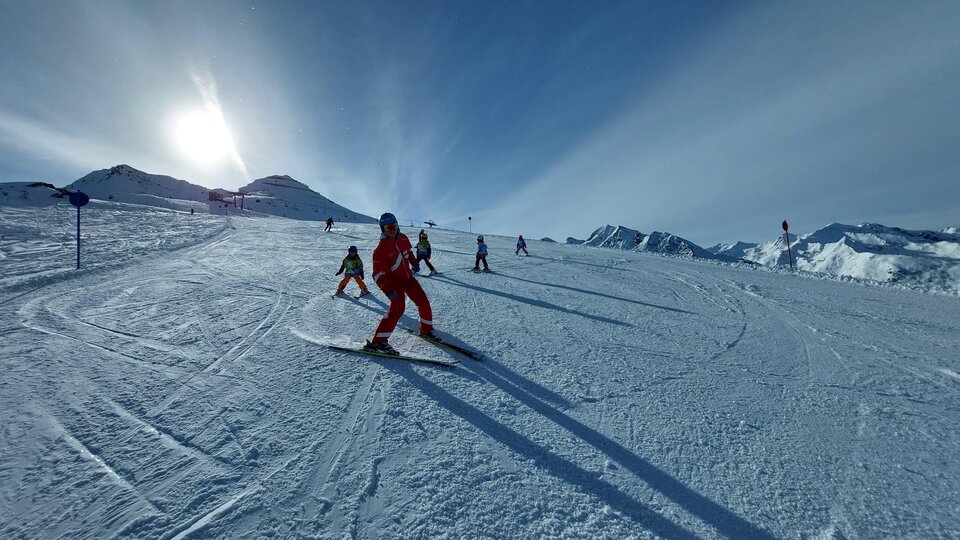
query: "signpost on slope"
470, 221
786, 235
78, 199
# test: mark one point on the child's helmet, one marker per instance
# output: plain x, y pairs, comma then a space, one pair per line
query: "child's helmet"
352, 249
480, 238
386, 219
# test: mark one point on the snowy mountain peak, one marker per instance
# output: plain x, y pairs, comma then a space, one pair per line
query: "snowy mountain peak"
275, 181
627, 239
928, 259
124, 183
282, 195
278, 195
618, 237
735, 250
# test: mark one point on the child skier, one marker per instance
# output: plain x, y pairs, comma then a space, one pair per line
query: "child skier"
392, 261
521, 244
423, 252
353, 266
481, 255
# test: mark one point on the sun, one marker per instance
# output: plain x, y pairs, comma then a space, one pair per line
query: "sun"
203, 136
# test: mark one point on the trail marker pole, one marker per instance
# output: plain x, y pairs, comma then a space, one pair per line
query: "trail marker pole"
78, 199
470, 221
786, 235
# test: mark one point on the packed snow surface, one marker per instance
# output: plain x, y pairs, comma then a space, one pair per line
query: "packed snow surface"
184, 391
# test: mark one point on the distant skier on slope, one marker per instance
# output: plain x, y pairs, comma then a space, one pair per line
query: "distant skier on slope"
329, 224
521, 244
481, 255
352, 267
392, 260
424, 251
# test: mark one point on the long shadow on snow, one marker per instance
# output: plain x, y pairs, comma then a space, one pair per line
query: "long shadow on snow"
526, 391
531, 301
347, 235
715, 515
604, 266
555, 465
585, 291
530, 386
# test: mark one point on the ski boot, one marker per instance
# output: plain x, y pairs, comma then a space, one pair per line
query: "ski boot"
364, 293
431, 335
383, 347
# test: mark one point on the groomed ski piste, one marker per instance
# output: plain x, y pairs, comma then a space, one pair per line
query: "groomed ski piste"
183, 389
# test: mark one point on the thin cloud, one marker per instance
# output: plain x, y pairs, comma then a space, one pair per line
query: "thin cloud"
52, 144
207, 86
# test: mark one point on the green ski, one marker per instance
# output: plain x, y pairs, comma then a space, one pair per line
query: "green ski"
361, 350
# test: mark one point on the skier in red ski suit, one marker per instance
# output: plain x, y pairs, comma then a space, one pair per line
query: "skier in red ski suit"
392, 261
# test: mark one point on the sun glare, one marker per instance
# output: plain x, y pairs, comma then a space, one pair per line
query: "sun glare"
203, 136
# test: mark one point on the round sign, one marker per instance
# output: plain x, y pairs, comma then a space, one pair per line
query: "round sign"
784, 224
79, 199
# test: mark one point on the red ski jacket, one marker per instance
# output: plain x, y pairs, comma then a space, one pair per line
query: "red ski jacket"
391, 263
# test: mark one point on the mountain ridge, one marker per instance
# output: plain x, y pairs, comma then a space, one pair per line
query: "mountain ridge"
123, 183
881, 253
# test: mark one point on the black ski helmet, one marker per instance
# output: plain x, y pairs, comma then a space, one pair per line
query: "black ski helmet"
352, 249
388, 218
480, 238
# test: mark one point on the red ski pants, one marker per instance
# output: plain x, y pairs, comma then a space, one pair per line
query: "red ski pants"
389, 321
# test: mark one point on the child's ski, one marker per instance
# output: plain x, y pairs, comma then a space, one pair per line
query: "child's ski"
361, 350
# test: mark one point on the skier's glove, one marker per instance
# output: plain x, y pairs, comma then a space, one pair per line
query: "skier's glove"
392, 294
361, 274
338, 273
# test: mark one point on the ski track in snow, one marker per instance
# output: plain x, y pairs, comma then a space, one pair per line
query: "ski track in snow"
188, 394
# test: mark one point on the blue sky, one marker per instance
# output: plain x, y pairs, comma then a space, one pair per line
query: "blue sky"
710, 120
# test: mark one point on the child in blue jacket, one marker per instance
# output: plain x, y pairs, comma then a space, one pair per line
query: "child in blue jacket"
481, 255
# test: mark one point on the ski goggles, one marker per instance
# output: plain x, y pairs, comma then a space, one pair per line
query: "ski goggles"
391, 227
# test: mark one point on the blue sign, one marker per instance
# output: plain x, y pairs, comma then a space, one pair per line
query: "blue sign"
79, 199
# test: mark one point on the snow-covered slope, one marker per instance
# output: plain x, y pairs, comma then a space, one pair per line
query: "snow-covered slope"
16, 194
123, 183
274, 195
624, 238
286, 197
38, 242
188, 393
926, 259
